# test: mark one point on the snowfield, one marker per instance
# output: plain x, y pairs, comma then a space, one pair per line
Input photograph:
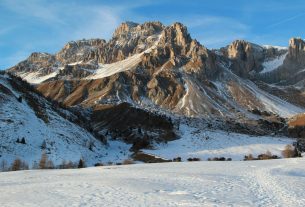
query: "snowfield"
204, 144
236, 183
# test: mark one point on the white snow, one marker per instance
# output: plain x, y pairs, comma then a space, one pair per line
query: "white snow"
76, 63
65, 140
204, 143
273, 64
192, 184
129, 63
36, 78
106, 70
273, 103
276, 47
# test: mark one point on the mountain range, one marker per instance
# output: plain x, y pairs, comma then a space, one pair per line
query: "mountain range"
147, 83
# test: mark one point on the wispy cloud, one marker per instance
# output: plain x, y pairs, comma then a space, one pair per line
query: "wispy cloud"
39, 9
216, 31
6, 30
289, 19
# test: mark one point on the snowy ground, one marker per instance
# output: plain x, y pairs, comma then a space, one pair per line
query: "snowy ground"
206, 144
236, 183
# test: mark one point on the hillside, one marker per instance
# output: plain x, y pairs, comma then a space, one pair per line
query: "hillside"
45, 128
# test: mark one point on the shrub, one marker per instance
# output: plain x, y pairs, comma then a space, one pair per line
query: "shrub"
219, 159
98, 164
193, 159
49, 164
264, 156
18, 164
289, 151
45, 163
67, 165
248, 157
128, 162
177, 159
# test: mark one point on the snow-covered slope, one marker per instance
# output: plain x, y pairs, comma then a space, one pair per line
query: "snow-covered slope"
63, 139
106, 70
270, 102
193, 184
273, 64
204, 144
36, 77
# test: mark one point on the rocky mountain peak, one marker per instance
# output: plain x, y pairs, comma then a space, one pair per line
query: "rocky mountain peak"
131, 29
245, 56
40, 57
296, 48
124, 28
80, 50
177, 34
241, 49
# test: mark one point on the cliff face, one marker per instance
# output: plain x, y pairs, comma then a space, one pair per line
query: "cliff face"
297, 50
247, 59
291, 70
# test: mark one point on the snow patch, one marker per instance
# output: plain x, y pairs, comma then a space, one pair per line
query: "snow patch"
273, 64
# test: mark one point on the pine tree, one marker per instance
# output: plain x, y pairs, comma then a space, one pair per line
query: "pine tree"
22, 141
43, 145
81, 163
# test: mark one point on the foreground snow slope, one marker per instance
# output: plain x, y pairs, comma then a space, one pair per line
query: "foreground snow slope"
236, 183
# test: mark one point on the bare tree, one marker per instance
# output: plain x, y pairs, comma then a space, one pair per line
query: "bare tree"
3, 166
43, 161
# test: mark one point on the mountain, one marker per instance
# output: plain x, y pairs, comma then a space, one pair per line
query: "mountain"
149, 80
176, 73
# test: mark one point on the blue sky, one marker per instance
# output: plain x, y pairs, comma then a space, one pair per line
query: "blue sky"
40, 25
